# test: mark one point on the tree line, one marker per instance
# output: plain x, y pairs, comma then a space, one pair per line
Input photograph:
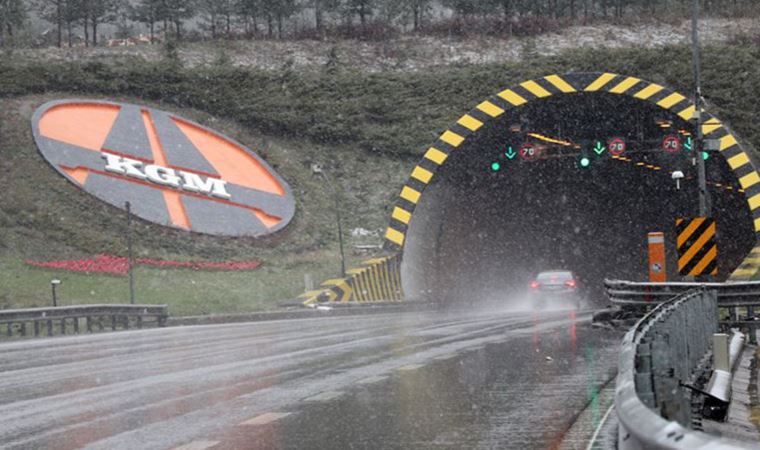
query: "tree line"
71, 19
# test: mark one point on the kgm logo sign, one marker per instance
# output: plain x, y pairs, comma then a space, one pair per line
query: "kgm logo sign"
173, 171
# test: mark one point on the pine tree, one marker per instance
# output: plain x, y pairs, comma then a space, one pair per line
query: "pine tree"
12, 17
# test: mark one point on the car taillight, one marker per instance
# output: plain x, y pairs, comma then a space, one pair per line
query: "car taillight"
570, 283
534, 284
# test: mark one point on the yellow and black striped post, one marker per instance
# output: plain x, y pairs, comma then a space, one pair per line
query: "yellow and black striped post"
697, 246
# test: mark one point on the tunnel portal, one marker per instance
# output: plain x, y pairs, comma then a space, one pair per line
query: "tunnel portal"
546, 184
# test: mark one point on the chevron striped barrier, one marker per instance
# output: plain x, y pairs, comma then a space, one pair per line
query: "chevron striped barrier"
468, 126
376, 280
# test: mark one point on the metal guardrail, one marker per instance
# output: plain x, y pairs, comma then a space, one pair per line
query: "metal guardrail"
58, 320
730, 294
658, 356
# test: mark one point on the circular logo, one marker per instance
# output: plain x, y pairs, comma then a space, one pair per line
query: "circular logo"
173, 171
656, 267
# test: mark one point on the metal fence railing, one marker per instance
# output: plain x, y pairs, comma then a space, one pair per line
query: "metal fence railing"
658, 357
76, 319
737, 300
730, 294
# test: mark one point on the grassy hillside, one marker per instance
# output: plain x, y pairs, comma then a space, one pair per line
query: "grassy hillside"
370, 128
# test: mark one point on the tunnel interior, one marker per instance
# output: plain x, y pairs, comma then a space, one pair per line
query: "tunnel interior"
491, 219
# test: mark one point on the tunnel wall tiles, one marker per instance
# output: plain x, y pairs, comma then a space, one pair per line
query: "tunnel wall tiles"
531, 90
376, 280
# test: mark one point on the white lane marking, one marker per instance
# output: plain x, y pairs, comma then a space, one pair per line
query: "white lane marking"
410, 367
599, 427
266, 418
446, 357
372, 380
324, 396
197, 445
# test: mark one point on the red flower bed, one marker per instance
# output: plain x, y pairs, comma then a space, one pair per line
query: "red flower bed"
200, 265
118, 265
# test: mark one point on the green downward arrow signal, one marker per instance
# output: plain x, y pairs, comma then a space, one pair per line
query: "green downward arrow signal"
510, 153
687, 144
599, 149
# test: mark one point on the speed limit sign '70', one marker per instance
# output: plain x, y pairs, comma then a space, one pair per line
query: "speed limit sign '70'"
528, 152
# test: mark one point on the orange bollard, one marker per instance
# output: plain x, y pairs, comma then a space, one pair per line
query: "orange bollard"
657, 270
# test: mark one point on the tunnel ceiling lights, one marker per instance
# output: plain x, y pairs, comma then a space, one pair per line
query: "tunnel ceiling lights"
613, 146
550, 140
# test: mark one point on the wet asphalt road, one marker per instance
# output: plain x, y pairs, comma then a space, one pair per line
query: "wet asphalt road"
407, 380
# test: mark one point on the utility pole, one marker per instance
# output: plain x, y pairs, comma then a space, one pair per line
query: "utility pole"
704, 201
319, 170
129, 254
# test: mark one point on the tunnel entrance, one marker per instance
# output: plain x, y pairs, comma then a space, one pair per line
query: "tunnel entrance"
537, 188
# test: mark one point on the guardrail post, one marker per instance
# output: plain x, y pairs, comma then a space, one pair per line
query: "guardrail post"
10, 329
720, 352
49, 327
113, 322
36, 328
76, 325
63, 326
139, 321
88, 324
23, 329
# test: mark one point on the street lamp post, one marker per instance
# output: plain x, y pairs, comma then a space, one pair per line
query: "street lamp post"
54, 284
704, 201
129, 254
319, 170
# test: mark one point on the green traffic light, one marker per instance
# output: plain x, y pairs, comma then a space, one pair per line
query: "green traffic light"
495, 166
705, 156
584, 161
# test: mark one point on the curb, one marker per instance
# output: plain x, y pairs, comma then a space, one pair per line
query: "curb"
297, 314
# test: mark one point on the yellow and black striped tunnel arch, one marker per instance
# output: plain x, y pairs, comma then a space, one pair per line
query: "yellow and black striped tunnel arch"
552, 85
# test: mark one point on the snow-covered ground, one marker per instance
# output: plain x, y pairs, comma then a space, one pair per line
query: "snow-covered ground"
413, 53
